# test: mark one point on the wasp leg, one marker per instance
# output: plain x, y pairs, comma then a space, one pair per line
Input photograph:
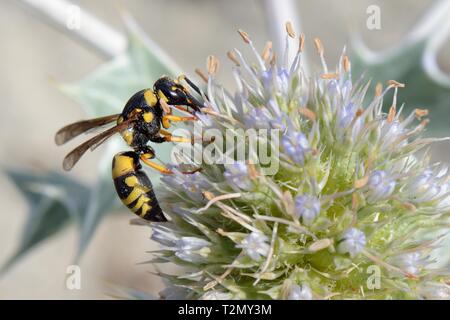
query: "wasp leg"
171, 138
166, 119
174, 118
146, 157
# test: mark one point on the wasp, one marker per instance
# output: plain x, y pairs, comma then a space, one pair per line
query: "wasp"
144, 119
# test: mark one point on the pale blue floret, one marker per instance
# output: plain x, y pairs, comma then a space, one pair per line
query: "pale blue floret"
300, 292
295, 146
237, 175
410, 262
307, 208
258, 118
282, 78
195, 184
187, 249
255, 245
352, 241
424, 187
381, 186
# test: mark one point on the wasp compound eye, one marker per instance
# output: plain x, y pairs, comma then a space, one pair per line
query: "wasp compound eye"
175, 94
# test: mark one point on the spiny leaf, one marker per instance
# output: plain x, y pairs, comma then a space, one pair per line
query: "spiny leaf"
410, 62
54, 200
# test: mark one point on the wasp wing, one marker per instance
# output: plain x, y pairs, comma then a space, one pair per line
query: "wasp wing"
75, 129
72, 158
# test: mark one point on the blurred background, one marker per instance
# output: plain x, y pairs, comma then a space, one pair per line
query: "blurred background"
36, 57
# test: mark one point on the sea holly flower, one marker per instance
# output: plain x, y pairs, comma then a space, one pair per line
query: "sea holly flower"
255, 245
307, 207
302, 292
352, 191
381, 185
237, 175
190, 249
295, 146
352, 241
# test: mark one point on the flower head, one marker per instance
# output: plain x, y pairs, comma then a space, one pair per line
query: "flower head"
350, 191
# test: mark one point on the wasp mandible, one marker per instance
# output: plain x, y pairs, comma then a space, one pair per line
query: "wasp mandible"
144, 119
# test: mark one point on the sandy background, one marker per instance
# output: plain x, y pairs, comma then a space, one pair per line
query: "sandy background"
32, 109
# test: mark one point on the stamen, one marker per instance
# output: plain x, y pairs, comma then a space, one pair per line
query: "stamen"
201, 74
346, 63
212, 65
301, 42
213, 199
319, 46
421, 113
290, 30
361, 182
265, 55
329, 76
308, 113
244, 35
396, 84
252, 172
232, 57
273, 61
392, 113
378, 89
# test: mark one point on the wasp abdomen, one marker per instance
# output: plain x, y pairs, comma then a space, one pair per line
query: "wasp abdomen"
134, 187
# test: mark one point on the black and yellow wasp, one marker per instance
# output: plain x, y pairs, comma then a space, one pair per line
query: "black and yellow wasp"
144, 119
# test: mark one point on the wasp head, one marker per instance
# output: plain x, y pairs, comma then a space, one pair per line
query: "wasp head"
174, 93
